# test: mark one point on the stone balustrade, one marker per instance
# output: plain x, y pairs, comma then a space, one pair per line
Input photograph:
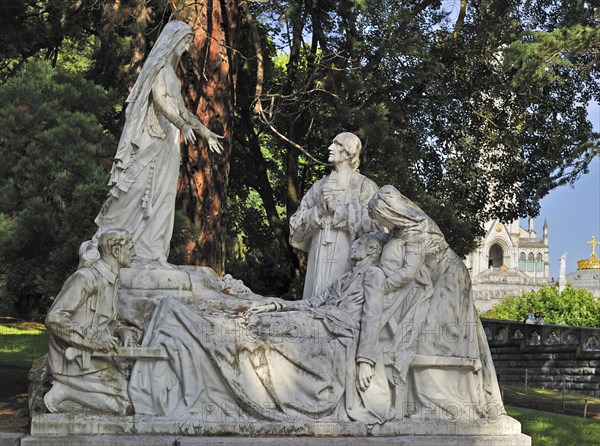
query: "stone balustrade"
548, 356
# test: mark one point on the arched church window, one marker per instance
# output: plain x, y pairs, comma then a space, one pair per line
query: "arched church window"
530, 261
539, 262
496, 256
522, 262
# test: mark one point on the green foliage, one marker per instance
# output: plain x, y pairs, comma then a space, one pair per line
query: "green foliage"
450, 113
77, 55
43, 28
453, 116
574, 306
253, 255
52, 180
543, 55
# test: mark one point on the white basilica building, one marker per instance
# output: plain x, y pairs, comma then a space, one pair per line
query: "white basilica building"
510, 259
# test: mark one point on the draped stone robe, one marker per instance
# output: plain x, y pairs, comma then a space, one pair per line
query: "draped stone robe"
328, 239
297, 365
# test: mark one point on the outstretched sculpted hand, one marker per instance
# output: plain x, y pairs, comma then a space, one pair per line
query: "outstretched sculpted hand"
214, 142
364, 375
130, 339
260, 309
188, 134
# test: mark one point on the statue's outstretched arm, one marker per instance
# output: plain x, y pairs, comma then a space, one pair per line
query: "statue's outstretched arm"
167, 97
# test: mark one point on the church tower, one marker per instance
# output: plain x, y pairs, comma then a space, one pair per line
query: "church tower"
510, 259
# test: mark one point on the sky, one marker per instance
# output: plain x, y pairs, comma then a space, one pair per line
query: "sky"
573, 213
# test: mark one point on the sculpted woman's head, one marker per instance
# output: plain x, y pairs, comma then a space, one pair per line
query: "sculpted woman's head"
393, 210
174, 37
174, 40
176, 31
183, 45
390, 208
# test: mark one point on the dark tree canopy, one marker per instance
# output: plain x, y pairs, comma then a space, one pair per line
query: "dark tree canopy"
474, 115
52, 180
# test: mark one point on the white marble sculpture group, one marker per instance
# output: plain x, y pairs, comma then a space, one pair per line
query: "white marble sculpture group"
386, 329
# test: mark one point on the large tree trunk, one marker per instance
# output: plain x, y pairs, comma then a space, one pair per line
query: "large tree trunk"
209, 90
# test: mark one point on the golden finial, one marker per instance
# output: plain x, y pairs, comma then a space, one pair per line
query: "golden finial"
593, 242
593, 262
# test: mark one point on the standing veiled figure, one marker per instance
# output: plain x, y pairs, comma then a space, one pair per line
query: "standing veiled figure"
143, 181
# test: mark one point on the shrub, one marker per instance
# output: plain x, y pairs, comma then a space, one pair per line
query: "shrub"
574, 306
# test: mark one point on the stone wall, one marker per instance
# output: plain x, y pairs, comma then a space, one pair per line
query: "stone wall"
548, 356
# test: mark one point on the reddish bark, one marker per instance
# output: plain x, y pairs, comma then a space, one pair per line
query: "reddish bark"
209, 89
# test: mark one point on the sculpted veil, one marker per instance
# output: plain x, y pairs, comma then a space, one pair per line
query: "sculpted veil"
145, 172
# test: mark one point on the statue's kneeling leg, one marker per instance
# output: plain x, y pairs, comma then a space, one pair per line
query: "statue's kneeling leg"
62, 398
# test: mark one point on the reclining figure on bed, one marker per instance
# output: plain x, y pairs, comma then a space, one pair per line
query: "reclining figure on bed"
397, 336
307, 360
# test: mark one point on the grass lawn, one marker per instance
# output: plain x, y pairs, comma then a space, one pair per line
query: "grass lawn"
571, 403
20, 344
551, 429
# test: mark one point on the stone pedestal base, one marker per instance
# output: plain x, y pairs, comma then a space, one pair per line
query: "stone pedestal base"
77, 429
425, 440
